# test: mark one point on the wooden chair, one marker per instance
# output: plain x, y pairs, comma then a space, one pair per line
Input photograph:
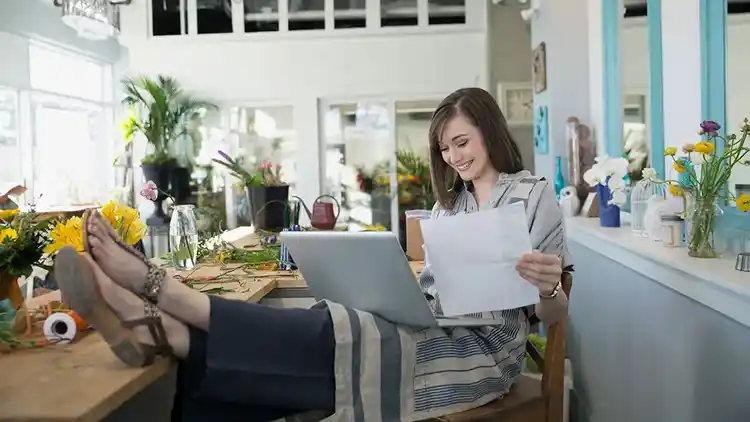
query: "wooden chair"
530, 400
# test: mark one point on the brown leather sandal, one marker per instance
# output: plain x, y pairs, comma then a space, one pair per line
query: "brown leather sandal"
77, 283
155, 275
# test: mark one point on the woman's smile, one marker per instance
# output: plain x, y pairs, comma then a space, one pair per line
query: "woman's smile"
464, 166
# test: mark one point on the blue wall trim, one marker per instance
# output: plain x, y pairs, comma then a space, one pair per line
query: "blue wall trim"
612, 89
656, 85
713, 32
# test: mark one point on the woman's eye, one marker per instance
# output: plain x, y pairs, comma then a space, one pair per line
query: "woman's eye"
462, 143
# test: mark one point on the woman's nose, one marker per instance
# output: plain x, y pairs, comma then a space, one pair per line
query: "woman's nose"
455, 157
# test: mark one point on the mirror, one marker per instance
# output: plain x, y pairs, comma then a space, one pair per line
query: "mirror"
738, 86
634, 67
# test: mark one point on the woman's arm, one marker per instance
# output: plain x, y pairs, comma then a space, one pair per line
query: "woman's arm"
548, 237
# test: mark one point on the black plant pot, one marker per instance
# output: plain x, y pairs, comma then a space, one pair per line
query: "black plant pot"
179, 184
160, 175
268, 205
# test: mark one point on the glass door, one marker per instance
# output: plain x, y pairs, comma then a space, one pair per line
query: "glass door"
359, 162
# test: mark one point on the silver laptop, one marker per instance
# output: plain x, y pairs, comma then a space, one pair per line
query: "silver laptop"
367, 271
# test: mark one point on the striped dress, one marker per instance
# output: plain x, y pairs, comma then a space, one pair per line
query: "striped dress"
385, 372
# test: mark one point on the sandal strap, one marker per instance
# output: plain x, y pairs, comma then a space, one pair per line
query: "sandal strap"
154, 282
154, 277
152, 321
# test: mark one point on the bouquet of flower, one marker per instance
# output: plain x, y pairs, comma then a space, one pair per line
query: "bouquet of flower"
264, 174
608, 176
610, 173
124, 220
703, 176
23, 237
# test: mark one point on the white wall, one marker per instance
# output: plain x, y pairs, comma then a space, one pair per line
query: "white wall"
509, 52
312, 69
682, 76
563, 26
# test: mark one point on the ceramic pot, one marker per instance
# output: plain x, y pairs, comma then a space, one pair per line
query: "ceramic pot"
9, 289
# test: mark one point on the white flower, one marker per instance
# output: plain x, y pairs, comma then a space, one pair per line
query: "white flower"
616, 183
650, 174
594, 175
618, 197
616, 168
605, 167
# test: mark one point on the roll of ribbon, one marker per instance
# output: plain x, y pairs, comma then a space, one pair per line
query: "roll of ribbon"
60, 328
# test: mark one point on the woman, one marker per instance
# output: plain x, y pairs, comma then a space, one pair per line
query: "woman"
241, 361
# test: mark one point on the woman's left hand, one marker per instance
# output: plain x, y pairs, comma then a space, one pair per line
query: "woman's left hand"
541, 270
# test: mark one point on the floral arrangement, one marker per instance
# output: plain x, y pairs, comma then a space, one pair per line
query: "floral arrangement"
264, 174
23, 237
412, 177
609, 173
124, 220
704, 173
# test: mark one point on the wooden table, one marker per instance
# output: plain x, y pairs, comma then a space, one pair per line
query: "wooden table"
84, 381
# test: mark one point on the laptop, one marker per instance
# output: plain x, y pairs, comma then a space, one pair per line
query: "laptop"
367, 271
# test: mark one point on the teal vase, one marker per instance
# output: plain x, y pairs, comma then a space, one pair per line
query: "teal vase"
559, 179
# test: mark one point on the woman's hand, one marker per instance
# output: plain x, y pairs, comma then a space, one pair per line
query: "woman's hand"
541, 270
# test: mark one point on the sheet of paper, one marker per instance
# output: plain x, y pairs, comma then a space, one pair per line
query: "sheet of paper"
473, 259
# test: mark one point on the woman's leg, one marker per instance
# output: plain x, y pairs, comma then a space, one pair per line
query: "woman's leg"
245, 370
255, 355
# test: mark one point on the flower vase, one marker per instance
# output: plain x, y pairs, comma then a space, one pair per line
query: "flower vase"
9, 289
559, 178
183, 237
609, 214
702, 222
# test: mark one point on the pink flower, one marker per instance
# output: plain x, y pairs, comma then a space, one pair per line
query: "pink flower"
150, 191
265, 165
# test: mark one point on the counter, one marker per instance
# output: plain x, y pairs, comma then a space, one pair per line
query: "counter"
655, 336
713, 282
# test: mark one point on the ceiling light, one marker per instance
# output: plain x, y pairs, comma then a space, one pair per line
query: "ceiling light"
92, 19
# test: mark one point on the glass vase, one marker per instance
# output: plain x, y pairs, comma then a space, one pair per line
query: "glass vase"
704, 213
183, 237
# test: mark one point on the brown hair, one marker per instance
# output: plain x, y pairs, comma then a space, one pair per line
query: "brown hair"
481, 110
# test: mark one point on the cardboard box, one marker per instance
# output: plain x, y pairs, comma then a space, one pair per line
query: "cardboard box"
414, 240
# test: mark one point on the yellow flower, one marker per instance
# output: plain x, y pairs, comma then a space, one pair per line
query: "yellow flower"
743, 202
125, 220
7, 234
8, 215
68, 233
675, 190
705, 147
670, 151
688, 148
679, 167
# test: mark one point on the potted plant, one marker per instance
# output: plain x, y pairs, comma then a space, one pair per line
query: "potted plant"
267, 193
23, 237
162, 112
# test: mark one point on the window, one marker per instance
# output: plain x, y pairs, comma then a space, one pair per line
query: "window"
307, 15
10, 147
168, 17
67, 152
398, 13
58, 71
67, 132
446, 12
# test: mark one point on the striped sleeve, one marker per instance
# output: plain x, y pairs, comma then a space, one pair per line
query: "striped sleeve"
547, 227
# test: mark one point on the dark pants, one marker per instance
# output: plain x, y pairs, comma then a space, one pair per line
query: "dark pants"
256, 363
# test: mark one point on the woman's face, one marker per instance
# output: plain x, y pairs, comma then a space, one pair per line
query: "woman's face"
462, 147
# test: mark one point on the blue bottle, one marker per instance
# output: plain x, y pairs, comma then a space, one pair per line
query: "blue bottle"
559, 179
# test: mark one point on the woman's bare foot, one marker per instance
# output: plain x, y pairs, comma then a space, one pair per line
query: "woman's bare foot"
121, 265
129, 307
